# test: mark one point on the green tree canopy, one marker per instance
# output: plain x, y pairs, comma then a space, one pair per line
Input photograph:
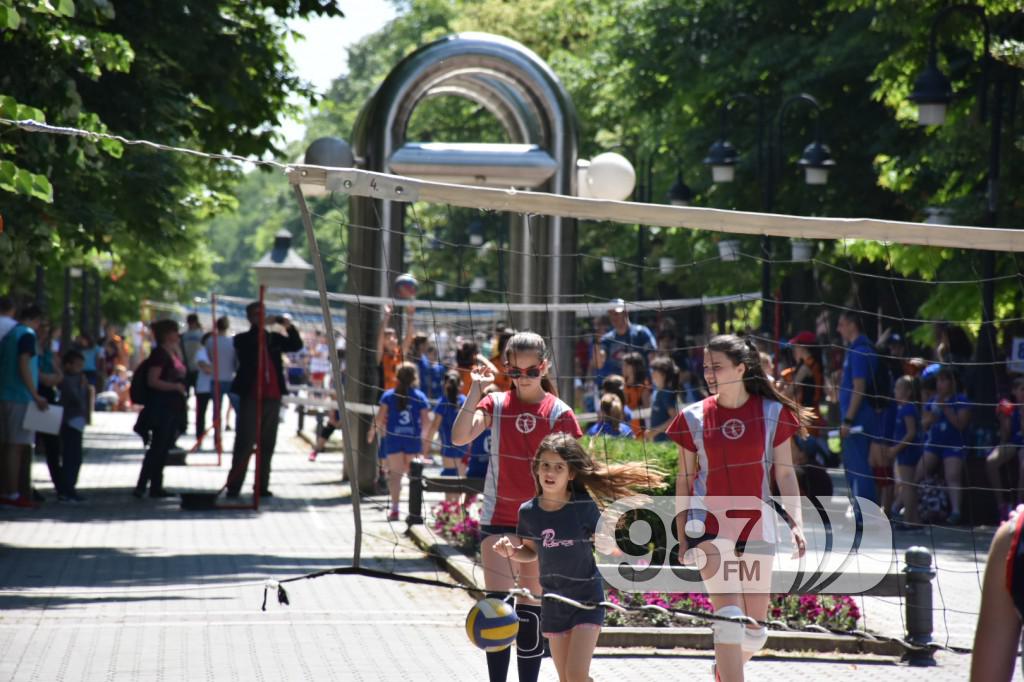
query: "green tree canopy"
213, 76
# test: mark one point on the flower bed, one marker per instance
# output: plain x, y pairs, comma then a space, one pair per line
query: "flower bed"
830, 611
458, 525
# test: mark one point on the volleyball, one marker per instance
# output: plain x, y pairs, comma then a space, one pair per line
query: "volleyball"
406, 286
492, 624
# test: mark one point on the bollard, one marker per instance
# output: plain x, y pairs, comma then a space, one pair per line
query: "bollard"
919, 574
301, 411
415, 494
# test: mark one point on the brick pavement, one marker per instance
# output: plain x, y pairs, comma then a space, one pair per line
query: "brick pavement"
120, 589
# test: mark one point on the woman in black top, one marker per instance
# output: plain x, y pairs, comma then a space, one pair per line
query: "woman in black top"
164, 416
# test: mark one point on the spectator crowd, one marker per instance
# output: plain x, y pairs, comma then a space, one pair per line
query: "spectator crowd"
898, 416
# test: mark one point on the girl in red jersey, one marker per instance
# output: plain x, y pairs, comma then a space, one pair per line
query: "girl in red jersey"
731, 443
519, 420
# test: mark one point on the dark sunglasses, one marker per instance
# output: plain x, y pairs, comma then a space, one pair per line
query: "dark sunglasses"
530, 372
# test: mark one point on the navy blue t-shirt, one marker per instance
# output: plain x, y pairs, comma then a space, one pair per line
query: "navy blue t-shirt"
565, 547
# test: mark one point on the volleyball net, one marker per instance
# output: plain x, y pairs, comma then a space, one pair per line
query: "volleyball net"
487, 261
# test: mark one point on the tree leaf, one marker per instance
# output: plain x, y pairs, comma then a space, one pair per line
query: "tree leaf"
9, 18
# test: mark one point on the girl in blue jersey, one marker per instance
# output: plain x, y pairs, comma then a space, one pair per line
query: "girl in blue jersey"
447, 408
905, 447
610, 419
945, 418
400, 422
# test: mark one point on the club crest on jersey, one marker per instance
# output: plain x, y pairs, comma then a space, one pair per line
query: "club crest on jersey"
734, 429
526, 423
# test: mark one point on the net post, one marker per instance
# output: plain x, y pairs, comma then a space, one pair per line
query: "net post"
351, 452
415, 516
261, 368
216, 381
919, 574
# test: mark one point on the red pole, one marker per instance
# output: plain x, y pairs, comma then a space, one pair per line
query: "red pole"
216, 381
261, 369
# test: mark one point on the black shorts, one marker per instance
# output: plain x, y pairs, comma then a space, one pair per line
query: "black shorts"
558, 618
487, 530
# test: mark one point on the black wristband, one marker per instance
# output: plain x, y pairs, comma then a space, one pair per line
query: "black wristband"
847, 421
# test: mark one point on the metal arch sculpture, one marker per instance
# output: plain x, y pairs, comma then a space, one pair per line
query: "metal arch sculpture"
527, 98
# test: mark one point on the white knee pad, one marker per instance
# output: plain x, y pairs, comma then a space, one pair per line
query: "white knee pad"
728, 632
754, 640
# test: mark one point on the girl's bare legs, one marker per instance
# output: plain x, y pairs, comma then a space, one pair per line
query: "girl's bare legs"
573, 652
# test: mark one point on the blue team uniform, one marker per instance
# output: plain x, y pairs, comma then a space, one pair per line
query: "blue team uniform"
606, 428
909, 455
404, 427
449, 412
479, 455
944, 439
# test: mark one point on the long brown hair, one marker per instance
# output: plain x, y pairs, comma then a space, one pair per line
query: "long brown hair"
406, 375
605, 483
755, 381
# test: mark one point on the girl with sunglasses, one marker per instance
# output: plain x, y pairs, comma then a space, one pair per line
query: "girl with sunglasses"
519, 419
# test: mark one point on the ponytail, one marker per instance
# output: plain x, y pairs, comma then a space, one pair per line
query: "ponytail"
755, 381
452, 382
406, 375
611, 409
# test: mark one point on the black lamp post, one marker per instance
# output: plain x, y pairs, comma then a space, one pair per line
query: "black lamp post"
679, 194
723, 157
932, 94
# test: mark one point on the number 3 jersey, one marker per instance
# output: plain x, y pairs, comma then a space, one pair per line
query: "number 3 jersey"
734, 454
517, 428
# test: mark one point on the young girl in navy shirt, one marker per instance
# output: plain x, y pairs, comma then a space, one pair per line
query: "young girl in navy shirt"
558, 528
945, 419
906, 446
400, 421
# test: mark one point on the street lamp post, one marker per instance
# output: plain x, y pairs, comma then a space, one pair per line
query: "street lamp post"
723, 157
932, 93
679, 194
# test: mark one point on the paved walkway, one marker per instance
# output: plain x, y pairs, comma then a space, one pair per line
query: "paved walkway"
122, 589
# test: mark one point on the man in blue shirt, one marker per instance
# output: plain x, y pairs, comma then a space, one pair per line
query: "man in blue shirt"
623, 338
854, 409
19, 382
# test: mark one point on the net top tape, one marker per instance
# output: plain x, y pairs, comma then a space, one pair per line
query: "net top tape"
389, 187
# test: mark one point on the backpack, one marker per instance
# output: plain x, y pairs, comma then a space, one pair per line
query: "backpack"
139, 391
933, 502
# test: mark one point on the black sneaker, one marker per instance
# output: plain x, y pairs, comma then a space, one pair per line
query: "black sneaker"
161, 493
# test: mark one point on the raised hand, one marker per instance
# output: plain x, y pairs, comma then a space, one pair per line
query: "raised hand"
482, 375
